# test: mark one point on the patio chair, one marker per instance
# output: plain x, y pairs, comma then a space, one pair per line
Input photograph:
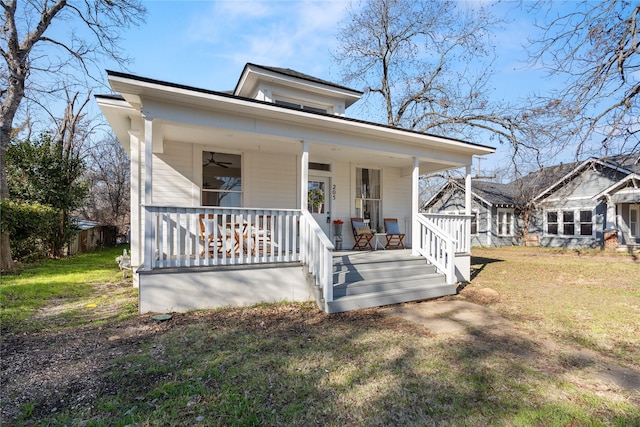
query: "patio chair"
362, 234
216, 243
395, 239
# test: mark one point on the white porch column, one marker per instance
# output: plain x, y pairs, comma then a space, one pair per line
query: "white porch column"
415, 207
467, 191
148, 188
135, 231
304, 175
611, 220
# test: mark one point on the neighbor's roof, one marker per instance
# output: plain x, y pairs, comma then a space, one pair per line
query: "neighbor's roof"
491, 193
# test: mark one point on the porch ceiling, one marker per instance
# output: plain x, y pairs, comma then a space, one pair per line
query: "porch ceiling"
235, 141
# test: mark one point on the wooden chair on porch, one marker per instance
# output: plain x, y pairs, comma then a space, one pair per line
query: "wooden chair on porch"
217, 242
362, 234
395, 239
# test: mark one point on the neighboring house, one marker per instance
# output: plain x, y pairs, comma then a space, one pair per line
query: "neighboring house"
589, 204
492, 210
221, 185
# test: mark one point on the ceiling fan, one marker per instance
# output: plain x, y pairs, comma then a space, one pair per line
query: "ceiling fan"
213, 161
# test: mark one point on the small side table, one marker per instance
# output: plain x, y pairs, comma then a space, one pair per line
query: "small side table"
378, 242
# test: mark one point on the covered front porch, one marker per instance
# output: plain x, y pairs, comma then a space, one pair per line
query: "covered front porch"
207, 257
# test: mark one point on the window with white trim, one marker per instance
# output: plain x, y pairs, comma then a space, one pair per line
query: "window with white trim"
221, 179
586, 223
569, 222
634, 221
474, 223
552, 222
505, 222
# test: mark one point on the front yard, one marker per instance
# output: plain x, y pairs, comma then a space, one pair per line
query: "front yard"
570, 356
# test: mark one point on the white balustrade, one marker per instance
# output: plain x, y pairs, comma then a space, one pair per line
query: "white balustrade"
209, 236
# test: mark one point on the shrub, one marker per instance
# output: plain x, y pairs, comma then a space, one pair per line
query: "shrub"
31, 226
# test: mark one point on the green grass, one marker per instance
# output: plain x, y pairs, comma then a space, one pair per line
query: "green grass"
70, 281
289, 364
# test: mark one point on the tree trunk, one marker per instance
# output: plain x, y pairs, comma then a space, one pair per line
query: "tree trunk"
15, 93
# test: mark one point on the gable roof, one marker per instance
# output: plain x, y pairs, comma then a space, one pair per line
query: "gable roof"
536, 185
549, 179
296, 74
490, 193
252, 75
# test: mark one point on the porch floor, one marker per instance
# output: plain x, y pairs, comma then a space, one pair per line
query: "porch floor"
364, 279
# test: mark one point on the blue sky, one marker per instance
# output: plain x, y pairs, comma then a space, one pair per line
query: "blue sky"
206, 44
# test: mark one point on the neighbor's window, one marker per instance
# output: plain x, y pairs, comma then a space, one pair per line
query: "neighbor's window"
586, 224
552, 222
505, 222
368, 197
568, 226
221, 179
474, 223
634, 221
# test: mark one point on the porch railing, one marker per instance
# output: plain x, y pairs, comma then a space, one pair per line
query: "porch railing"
456, 226
211, 236
437, 246
316, 251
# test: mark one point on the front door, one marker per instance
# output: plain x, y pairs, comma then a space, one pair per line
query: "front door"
319, 202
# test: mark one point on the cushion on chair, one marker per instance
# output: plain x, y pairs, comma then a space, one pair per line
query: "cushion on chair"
358, 223
362, 229
392, 228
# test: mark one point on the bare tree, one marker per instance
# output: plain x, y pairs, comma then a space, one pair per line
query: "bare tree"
595, 48
109, 176
430, 63
33, 54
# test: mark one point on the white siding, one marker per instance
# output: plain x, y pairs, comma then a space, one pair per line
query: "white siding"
397, 198
173, 175
270, 180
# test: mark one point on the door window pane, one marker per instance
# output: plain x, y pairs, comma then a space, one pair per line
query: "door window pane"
316, 201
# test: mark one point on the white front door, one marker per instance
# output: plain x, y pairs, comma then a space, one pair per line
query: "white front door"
319, 202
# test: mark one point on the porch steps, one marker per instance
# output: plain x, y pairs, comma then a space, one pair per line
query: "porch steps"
377, 278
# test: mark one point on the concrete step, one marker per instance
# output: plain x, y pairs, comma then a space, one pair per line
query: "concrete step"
389, 297
357, 273
385, 284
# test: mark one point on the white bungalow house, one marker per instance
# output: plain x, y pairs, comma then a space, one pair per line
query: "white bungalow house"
234, 195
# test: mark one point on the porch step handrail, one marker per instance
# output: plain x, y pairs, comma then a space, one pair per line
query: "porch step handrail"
438, 247
457, 226
316, 251
174, 236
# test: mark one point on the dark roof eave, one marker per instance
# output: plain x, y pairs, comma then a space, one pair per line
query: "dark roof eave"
255, 101
295, 74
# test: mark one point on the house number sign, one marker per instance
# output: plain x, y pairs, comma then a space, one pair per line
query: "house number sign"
333, 192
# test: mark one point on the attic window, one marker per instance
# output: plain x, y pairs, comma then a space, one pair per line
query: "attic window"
301, 106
